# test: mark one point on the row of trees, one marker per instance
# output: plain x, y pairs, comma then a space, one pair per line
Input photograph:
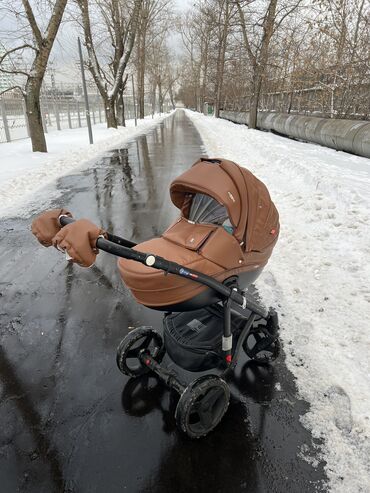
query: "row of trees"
278, 54
120, 37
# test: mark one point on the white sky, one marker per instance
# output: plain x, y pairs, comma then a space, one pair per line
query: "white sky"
64, 54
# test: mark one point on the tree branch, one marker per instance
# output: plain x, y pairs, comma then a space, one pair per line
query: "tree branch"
16, 49
251, 55
32, 22
93, 63
14, 71
125, 58
55, 20
11, 88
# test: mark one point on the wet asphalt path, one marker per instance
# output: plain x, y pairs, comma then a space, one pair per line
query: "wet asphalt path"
70, 421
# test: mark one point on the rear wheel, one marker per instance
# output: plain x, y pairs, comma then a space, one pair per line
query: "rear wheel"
138, 341
202, 405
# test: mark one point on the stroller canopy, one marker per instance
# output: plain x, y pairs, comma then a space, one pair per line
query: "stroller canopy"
245, 198
228, 227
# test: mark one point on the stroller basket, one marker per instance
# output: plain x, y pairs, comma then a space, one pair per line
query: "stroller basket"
193, 340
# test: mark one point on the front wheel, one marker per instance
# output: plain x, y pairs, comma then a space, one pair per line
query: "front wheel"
202, 405
138, 341
261, 346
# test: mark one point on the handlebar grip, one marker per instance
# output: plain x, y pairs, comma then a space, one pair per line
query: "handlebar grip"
64, 220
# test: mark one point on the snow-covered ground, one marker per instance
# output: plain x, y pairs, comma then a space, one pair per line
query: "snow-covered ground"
23, 172
318, 277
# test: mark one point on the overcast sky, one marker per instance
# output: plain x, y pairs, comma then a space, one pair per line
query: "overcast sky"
64, 54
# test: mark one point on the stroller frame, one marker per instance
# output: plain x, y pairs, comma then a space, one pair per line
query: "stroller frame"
230, 295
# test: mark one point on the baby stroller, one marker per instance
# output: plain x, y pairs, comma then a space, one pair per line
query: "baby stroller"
197, 272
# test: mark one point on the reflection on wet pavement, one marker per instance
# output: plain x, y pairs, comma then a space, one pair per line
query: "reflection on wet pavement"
70, 422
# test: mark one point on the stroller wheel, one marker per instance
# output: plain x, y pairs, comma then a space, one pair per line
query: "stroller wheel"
261, 346
142, 339
202, 405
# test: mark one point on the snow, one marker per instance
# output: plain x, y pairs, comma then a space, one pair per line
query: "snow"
23, 172
318, 278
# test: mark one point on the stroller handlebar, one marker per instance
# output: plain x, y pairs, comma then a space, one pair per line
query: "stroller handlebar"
123, 248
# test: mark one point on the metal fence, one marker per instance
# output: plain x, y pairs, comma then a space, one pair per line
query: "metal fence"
58, 113
329, 102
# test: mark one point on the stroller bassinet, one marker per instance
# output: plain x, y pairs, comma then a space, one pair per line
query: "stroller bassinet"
228, 227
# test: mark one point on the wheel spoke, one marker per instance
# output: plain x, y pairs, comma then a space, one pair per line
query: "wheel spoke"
261, 345
147, 340
206, 418
211, 398
132, 353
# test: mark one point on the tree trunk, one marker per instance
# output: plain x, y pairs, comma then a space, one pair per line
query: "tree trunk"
204, 79
221, 61
153, 97
290, 101
33, 110
160, 97
170, 90
110, 113
120, 109
141, 73
253, 111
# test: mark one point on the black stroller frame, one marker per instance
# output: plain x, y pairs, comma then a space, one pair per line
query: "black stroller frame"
207, 396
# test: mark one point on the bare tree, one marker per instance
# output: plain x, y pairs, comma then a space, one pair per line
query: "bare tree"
162, 72
258, 58
198, 33
154, 23
122, 28
224, 14
38, 46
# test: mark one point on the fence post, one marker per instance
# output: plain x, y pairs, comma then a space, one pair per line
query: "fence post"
69, 115
99, 108
93, 112
26, 117
5, 121
56, 111
44, 120
78, 114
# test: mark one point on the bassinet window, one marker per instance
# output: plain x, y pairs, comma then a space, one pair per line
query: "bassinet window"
205, 209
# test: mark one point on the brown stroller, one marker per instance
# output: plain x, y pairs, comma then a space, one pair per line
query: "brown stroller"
197, 272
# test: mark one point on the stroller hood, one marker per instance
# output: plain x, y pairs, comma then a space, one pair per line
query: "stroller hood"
246, 199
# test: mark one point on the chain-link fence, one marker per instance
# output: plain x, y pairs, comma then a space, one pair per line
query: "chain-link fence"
59, 112
329, 102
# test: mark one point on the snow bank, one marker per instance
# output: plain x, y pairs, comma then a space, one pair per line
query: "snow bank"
318, 277
23, 172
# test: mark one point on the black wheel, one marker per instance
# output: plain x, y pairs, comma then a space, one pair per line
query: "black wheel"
202, 405
261, 346
137, 341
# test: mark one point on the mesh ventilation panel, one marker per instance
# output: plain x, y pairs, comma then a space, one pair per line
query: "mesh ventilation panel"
205, 209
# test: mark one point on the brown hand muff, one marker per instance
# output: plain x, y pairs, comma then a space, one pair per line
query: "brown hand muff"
78, 240
46, 226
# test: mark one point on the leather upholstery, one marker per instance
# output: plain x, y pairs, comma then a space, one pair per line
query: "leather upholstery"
46, 226
78, 239
207, 248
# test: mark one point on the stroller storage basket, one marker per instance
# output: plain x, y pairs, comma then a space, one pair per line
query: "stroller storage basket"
193, 340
